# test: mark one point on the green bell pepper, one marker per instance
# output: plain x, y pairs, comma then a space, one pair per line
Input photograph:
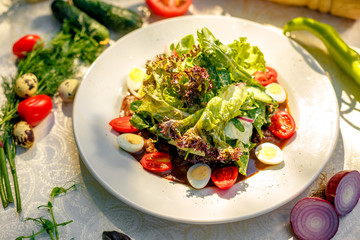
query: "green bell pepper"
346, 58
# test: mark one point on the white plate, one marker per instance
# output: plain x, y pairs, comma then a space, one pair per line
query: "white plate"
312, 102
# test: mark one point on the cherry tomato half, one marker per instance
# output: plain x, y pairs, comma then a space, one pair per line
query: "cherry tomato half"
267, 77
282, 124
168, 8
25, 45
123, 125
34, 109
224, 177
156, 162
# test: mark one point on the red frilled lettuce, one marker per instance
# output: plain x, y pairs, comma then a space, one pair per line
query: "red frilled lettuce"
193, 94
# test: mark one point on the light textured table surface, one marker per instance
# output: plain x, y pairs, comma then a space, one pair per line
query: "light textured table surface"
54, 160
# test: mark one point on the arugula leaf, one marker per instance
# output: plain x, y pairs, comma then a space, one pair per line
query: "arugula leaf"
238, 124
222, 56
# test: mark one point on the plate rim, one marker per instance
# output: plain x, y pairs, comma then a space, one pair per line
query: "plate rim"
176, 219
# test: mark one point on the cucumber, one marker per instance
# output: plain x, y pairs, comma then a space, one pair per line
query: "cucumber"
260, 95
115, 18
62, 10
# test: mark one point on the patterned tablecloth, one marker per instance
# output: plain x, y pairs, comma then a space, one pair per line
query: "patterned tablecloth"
54, 160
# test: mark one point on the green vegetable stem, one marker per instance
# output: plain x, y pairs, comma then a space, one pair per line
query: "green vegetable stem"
49, 226
347, 58
5, 177
10, 153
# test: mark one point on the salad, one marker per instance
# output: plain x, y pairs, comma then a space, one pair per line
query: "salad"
203, 113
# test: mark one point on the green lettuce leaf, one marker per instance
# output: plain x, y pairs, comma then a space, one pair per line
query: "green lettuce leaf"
184, 46
231, 56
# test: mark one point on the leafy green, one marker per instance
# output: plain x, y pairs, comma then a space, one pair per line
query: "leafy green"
49, 226
250, 58
184, 46
191, 97
52, 62
232, 57
238, 124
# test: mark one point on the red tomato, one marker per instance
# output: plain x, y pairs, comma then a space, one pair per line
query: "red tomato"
25, 45
224, 177
34, 109
123, 125
282, 124
266, 78
168, 8
156, 162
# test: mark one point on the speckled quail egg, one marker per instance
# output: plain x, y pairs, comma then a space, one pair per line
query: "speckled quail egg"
23, 134
276, 91
67, 89
198, 175
135, 80
269, 153
26, 85
130, 142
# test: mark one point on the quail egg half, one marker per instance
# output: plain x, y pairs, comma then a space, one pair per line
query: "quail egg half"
269, 153
130, 142
135, 81
276, 91
198, 175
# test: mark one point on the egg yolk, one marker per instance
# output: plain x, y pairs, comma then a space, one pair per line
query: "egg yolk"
136, 75
201, 172
133, 139
274, 88
267, 153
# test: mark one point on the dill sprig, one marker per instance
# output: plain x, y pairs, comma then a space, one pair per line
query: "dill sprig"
52, 62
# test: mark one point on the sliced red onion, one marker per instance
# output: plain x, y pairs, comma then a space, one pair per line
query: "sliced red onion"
314, 218
241, 84
250, 120
343, 191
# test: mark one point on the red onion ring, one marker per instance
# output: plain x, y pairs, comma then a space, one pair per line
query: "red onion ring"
343, 191
246, 119
314, 218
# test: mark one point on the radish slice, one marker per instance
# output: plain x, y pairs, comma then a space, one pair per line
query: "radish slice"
343, 191
314, 218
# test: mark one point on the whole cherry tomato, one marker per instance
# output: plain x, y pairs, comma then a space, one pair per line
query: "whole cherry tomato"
224, 177
123, 125
282, 124
25, 45
156, 162
266, 78
168, 8
34, 109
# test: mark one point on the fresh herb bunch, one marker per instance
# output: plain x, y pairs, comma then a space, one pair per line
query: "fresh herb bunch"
49, 225
52, 62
